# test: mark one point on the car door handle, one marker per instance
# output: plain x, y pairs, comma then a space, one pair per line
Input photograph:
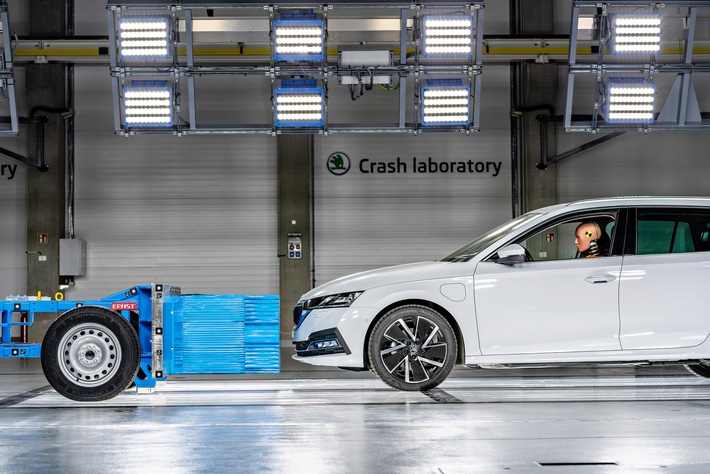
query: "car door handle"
600, 278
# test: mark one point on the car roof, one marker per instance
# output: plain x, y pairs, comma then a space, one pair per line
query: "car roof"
629, 201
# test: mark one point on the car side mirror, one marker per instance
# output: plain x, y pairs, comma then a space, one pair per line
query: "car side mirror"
510, 255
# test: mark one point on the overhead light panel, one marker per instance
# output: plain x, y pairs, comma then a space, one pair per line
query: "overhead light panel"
629, 100
636, 34
445, 102
447, 36
298, 38
148, 104
299, 103
144, 38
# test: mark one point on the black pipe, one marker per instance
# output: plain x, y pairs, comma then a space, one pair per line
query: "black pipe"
71, 8
545, 160
514, 135
39, 122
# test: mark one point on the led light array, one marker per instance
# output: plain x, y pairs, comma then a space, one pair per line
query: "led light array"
148, 104
446, 105
630, 102
144, 38
298, 107
447, 36
636, 34
298, 40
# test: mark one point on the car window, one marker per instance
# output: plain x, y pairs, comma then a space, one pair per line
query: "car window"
471, 249
668, 231
557, 241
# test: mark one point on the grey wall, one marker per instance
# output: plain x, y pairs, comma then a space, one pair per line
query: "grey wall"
13, 216
196, 211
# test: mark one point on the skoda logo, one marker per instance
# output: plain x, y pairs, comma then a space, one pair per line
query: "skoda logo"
338, 163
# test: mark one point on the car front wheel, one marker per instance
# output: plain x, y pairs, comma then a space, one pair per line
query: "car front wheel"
412, 348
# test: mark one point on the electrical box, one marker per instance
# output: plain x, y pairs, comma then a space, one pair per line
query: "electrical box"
72, 257
295, 246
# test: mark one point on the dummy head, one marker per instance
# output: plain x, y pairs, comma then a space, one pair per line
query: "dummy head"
585, 234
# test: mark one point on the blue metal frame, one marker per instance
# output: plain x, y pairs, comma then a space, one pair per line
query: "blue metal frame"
230, 339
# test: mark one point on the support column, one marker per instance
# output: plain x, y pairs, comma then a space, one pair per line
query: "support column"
539, 96
46, 95
539, 90
295, 158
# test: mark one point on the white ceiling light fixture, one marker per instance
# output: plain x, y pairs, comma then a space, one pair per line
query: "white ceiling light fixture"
148, 104
629, 100
447, 36
144, 38
299, 37
636, 34
445, 102
299, 104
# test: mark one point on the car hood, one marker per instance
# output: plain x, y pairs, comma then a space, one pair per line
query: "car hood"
390, 275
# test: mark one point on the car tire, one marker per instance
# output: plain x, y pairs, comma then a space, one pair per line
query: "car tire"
701, 369
90, 354
412, 348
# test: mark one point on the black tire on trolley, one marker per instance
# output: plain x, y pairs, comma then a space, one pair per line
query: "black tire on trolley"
90, 354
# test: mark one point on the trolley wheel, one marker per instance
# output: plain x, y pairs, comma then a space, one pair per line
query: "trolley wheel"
90, 354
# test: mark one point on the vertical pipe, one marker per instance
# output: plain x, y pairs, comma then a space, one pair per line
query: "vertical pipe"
403, 61
514, 121
190, 63
23, 329
543, 140
70, 127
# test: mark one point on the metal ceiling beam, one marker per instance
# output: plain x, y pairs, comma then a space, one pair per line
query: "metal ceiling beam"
290, 4
494, 49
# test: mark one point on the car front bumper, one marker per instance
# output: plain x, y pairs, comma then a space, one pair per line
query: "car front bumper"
333, 336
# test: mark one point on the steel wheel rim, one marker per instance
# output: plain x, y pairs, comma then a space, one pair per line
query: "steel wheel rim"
89, 354
413, 349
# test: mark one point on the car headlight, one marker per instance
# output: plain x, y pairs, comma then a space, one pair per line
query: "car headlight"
341, 300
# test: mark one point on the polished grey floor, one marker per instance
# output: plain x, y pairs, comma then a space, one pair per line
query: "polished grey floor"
616, 420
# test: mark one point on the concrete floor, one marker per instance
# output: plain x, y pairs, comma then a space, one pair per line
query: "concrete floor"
610, 420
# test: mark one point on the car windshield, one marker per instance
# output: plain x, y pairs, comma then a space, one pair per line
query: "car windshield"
472, 248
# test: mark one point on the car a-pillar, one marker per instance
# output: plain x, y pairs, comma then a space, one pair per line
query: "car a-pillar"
90, 353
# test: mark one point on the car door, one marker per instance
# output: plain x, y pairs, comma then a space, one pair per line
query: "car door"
664, 298
556, 302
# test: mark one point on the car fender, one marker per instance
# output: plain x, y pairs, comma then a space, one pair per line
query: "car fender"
454, 295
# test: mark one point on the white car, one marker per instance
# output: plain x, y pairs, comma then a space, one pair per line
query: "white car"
525, 294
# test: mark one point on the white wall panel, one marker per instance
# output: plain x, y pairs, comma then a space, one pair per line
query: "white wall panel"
197, 211
657, 164
365, 220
